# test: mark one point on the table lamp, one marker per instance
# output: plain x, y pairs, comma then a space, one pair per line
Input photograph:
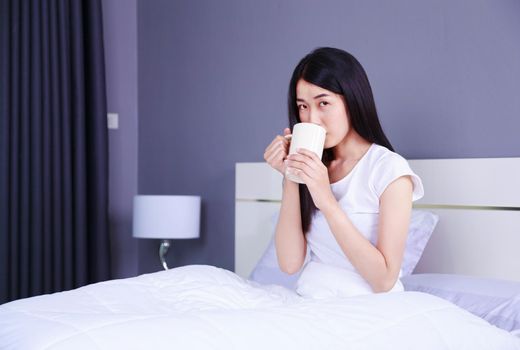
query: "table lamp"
166, 217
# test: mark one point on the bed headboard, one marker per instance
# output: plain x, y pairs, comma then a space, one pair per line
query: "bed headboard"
477, 200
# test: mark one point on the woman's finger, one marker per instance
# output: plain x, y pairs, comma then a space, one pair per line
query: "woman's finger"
278, 141
300, 173
301, 166
305, 159
309, 154
269, 155
276, 154
273, 147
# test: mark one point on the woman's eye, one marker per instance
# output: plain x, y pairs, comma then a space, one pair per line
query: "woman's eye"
323, 103
300, 107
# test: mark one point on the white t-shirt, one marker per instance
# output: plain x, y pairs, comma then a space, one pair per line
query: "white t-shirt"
358, 194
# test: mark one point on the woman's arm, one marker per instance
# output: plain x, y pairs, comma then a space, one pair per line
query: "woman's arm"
291, 245
378, 265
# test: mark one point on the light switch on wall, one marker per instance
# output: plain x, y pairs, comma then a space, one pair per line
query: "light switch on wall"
113, 120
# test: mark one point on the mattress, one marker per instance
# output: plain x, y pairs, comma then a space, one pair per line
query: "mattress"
205, 307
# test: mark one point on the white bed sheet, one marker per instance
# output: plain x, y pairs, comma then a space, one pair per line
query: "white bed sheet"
204, 307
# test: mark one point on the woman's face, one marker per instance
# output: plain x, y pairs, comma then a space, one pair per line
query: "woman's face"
325, 108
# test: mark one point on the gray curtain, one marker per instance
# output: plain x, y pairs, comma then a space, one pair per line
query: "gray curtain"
53, 147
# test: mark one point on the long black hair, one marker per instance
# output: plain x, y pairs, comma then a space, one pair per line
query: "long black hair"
340, 72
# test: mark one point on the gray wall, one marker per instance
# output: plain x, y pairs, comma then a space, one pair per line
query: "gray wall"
213, 78
120, 40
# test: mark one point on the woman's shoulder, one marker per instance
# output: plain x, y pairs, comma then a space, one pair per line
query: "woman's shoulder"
382, 157
388, 166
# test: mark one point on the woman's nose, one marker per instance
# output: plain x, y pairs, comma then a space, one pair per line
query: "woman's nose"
315, 118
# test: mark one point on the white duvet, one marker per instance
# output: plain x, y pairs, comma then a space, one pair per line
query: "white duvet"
204, 307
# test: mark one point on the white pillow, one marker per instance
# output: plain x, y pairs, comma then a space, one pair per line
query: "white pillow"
422, 224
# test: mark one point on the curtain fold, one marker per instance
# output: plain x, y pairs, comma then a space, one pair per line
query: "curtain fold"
53, 147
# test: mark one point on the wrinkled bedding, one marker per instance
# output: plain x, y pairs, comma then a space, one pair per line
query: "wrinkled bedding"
204, 307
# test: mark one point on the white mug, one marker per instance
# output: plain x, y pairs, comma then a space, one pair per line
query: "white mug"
309, 136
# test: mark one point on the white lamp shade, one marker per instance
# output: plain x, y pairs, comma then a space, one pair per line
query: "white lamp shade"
166, 217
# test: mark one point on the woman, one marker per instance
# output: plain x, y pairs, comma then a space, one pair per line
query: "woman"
354, 208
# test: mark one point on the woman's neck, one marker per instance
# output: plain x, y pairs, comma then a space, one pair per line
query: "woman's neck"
353, 147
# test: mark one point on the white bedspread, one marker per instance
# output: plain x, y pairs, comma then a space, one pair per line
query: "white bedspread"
203, 307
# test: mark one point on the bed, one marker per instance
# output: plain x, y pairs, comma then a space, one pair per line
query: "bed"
205, 307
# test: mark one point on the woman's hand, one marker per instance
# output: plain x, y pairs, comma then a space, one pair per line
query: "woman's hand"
314, 173
277, 151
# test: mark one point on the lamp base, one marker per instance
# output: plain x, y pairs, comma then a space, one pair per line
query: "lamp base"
163, 249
